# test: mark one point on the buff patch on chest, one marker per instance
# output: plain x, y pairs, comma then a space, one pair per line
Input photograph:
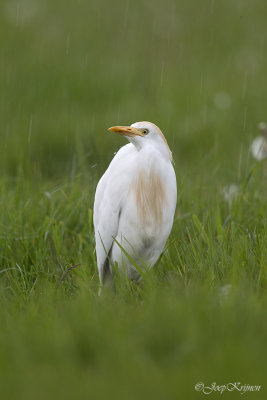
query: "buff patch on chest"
150, 196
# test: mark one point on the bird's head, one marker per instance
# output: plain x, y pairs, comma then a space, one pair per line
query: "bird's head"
142, 134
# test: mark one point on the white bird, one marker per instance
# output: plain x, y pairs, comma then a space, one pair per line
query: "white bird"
135, 202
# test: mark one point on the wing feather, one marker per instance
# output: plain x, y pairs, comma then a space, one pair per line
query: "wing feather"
107, 206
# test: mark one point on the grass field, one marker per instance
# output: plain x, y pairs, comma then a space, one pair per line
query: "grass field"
68, 71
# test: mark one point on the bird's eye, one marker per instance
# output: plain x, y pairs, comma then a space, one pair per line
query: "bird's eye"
145, 131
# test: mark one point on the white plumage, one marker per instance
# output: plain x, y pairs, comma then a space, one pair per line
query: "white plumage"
135, 202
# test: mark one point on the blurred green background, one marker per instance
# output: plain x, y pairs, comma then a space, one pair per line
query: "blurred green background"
68, 71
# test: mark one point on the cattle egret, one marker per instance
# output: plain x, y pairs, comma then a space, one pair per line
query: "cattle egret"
135, 202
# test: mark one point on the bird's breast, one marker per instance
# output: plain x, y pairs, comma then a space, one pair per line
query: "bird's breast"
149, 197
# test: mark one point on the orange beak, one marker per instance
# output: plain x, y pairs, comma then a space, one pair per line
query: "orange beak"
126, 131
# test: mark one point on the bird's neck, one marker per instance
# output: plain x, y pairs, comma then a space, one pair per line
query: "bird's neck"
161, 150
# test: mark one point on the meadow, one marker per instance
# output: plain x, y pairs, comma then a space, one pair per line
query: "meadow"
68, 71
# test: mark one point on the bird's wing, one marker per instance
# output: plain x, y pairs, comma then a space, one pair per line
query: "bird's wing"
106, 220
108, 202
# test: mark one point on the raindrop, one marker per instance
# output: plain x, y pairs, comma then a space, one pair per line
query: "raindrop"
20, 12
6, 136
245, 118
240, 161
245, 83
201, 83
119, 112
30, 130
211, 38
162, 73
126, 12
204, 114
212, 6
17, 14
68, 44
